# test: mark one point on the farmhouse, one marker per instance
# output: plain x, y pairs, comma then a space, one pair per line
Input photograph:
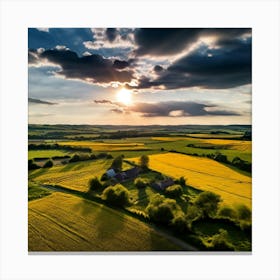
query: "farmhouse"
161, 186
111, 173
128, 174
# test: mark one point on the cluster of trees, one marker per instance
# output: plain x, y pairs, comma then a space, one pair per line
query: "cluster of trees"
116, 195
84, 157
32, 165
58, 147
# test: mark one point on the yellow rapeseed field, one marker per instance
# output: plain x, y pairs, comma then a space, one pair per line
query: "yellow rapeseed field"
73, 175
205, 174
100, 146
239, 145
63, 222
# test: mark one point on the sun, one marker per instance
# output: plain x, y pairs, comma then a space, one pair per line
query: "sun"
124, 96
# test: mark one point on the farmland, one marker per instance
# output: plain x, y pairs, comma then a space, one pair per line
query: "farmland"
62, 222
207, 175
66, 215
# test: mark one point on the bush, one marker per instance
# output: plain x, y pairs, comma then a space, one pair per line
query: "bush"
94, 184
174, 191
180, 225
140, 183
227, 212
207, 202
104, 177
74, 158
48, 164
32, 165
220, 242
243, 212
116, 195
162, 210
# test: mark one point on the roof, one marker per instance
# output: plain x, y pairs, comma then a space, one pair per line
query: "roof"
111, 172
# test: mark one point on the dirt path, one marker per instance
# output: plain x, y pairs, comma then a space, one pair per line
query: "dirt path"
185, 246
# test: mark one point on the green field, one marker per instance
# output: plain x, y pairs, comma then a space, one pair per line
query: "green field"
63, 222
45, 153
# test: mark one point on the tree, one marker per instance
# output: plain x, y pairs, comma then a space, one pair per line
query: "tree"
116, 195
94, 184
207, 202
48, 164
32, 165
243, 212
117, 163
144, 162
174, 191
227, 212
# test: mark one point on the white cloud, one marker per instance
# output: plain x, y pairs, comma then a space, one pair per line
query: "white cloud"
44, 29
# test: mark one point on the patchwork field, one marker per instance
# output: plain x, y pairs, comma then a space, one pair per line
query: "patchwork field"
207, 175
63, 222
73, 175
104, 147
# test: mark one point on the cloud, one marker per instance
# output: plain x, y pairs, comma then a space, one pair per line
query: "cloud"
43, 29
109, 38
38, 101
169, 109
178, 109
90, 68
111, 34
227, 66
171, 41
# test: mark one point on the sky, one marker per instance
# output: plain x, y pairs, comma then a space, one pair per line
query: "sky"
139, 76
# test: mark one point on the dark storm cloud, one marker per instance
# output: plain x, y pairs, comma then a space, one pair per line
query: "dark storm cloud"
90, 68
177, 109
38, 101
170, 41
120, 64
158, 68
225, 67
111, 34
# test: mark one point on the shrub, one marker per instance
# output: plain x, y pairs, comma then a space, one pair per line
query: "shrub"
140, 183
220, 242
180, 225
32, 165
162, 210
74, 158
94, 184
104, 177
207, 202
116, 195
174, 191
227, 212
243, 212
48, 164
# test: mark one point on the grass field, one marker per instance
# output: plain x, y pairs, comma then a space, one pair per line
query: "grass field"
45, 153
207, 175
63, 222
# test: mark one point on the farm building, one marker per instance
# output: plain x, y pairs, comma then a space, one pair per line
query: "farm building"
161, 186
128, 174
111, 173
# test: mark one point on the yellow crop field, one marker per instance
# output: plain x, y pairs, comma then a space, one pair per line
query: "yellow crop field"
100, 146
209, 135
63, 222
73, 175
205, 174
239, 145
